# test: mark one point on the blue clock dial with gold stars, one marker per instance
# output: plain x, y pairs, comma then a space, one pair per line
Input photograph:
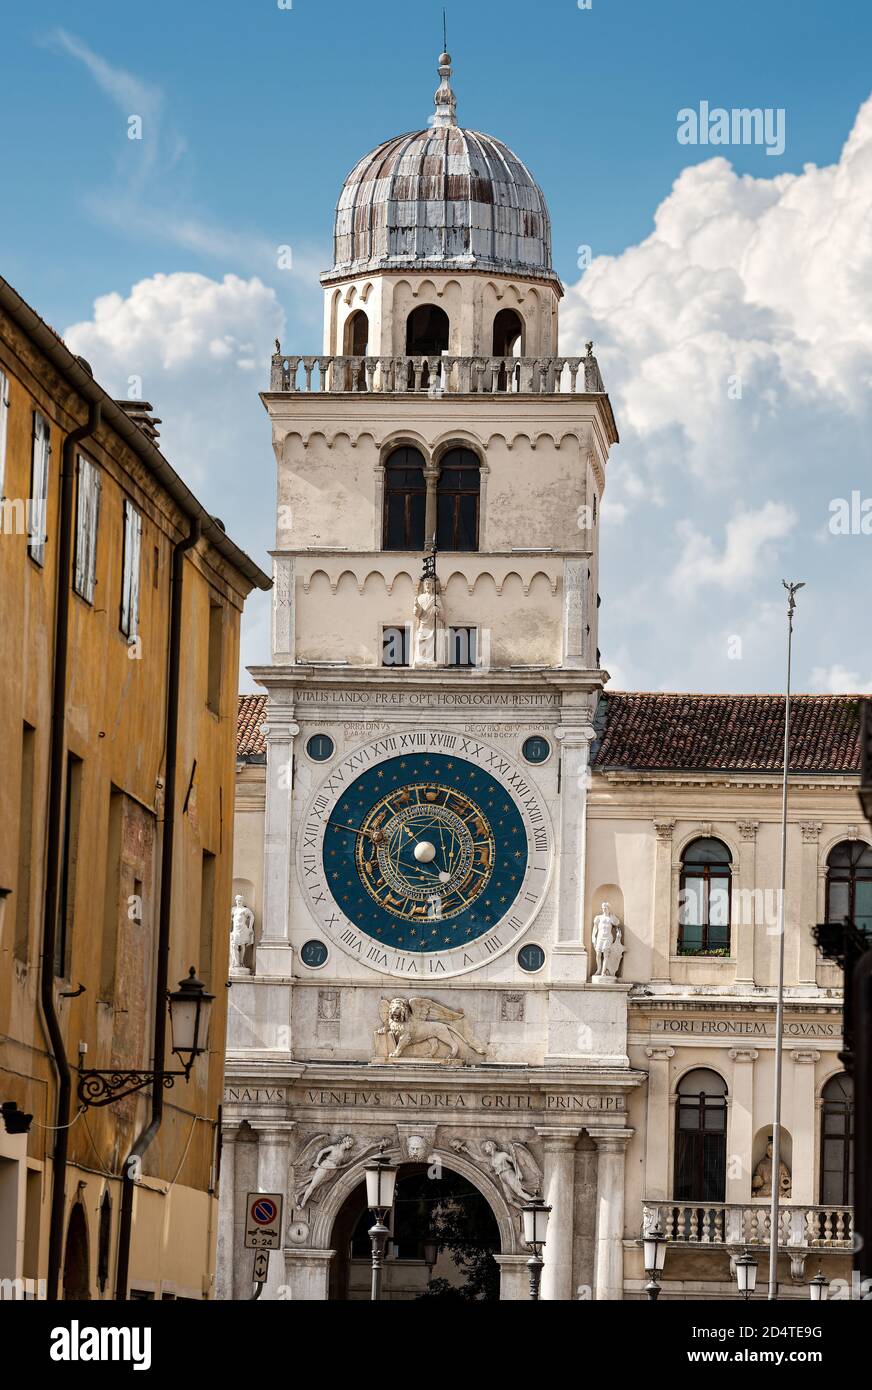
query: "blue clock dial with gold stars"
425, 852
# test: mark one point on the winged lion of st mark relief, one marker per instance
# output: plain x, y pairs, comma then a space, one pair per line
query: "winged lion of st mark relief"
424, 1027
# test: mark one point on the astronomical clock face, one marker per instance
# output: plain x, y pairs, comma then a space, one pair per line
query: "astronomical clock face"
425, 853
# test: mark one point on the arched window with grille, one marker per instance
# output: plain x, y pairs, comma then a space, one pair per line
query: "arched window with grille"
457, 504
704, 899
837, 1148
701, 1137
849, 884
405, 500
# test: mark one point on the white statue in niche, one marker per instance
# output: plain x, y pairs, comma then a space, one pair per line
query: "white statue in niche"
428, 611
608, 943
241, 935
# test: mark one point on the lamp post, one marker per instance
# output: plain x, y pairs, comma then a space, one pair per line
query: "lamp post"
431, 1255
746, 1275
654, 1242
816, 1287
536, 1214
381, 1181
189, 1008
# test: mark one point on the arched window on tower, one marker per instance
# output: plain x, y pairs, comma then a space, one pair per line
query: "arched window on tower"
427, 331
849, 884
837, 1148
508, 334
701, 1137
508, 341
405, 501
704, 899
457, 504
356, 336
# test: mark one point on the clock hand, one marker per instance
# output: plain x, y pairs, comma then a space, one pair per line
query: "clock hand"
374, 835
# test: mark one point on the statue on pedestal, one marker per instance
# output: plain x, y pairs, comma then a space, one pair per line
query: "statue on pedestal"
608, 943
428, 611
241, 935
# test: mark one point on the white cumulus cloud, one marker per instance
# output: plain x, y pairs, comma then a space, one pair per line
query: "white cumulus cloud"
198, 349
736, 345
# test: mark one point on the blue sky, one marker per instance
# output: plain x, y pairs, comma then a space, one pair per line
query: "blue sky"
252, 115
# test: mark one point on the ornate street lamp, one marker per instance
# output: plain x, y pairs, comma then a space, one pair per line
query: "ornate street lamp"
817, 1287
189, 1007
536, 1214
654, 1242
381, 1182
746, 1275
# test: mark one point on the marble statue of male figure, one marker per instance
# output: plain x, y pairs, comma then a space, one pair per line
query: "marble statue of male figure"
607, 944
241, 932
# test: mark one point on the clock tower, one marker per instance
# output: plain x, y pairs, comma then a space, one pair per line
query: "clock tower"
423, 978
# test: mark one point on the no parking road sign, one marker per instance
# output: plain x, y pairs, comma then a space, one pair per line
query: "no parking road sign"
263, 1224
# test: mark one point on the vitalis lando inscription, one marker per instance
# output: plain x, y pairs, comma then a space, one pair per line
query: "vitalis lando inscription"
398, 1099
424, 699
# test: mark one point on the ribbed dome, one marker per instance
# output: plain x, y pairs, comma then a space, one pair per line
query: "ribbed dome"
442, 199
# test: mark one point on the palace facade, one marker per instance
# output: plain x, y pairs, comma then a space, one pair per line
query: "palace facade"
516, 933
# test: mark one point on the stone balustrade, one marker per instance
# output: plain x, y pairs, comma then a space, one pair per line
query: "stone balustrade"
437, 375
728, 1224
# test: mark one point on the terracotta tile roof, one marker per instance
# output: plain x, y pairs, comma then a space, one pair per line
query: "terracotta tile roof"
250, 742
740, 733
638, 732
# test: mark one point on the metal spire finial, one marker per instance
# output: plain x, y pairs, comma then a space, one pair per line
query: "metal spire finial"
446, 102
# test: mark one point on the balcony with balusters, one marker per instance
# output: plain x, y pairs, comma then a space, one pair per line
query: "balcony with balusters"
437, 375
803, 1231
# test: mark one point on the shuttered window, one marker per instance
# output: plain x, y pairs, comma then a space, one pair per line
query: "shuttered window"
130, 571
4, 419
39, 488
87, 513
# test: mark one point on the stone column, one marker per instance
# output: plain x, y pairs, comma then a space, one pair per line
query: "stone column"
514, 1279
740, 1131
431, 479
657, 1124
800, 1120
745, 930
806, 964
273, 955
226, 1244
558, 1189
308, 1274
574, 635
575, 740
663, 904
273, 1138
611, 1146
283, 633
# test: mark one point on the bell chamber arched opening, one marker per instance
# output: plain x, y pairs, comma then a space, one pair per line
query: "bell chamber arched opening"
428, 331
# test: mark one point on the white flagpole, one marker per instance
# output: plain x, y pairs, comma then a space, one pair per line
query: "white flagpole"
792, 590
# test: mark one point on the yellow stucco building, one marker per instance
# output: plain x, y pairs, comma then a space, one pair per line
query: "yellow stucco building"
120, 606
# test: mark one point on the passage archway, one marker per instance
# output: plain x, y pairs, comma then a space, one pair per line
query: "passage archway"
447, 1209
